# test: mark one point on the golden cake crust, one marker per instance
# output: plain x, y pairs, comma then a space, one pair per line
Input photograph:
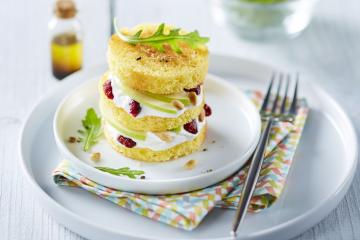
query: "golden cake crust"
148, 155
144, 68
147, 123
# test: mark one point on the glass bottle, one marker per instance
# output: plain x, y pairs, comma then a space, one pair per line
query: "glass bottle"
66, 39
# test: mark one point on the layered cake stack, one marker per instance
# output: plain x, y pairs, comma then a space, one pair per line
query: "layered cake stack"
152, 100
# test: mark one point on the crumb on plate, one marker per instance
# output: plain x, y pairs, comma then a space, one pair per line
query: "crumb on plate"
96, 157
190, 164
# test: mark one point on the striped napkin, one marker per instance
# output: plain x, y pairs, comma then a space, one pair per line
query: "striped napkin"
187, 210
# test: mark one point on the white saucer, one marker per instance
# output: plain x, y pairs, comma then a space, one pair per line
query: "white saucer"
228, 145
322, 173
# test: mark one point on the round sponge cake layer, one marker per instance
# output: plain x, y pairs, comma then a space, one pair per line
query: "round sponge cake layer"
144, 68
147, 123
148, 155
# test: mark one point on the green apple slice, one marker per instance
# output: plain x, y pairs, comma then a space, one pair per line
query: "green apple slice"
148, 101
139, 135
176, 130
130, 133
169, 98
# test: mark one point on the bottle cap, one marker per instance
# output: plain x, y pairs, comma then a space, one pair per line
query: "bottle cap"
65, 9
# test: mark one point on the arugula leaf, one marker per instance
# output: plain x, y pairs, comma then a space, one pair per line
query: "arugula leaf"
121, 171
159, 38
92, 129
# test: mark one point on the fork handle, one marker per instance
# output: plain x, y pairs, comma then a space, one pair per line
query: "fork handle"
252, 176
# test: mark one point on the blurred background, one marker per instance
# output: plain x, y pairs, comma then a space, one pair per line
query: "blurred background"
328, 51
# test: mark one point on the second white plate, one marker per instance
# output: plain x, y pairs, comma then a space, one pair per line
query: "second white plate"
233, 131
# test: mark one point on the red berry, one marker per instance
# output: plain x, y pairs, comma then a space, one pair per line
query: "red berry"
108, 89
135, 108
197, 90
191, 127
127, 142
207, 110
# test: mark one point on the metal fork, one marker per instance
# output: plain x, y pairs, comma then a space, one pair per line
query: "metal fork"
269, 114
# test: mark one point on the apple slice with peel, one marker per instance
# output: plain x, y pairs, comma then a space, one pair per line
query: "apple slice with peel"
148, 101
129, 133
176, 130
170, 97
139, 135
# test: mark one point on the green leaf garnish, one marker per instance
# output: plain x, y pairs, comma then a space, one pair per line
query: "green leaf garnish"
159, 38
125, 171
92, 129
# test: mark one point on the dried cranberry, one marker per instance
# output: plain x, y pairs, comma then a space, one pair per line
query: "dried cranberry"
127, 142
191, 127
207, 110
108, 89
196, 90
135, 108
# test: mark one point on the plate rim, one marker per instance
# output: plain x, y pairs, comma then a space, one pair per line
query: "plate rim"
337, 195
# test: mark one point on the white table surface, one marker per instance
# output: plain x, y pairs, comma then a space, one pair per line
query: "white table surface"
328, 52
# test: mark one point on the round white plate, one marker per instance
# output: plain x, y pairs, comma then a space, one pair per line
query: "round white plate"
233, 144
322, 172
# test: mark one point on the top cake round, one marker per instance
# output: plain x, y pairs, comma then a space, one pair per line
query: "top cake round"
145, 68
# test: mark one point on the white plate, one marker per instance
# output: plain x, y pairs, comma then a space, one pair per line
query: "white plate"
322, 172
233, 145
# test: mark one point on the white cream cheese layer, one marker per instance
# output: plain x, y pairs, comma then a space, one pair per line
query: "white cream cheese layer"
122, 100
153, 141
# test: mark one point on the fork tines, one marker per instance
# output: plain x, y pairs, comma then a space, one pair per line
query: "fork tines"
280, 102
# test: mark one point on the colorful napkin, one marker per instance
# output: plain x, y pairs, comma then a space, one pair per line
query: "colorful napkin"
187, 210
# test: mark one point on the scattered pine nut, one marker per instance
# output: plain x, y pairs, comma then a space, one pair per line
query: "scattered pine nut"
96, 157
192, 98
72, 139
164, 136
190, 164
202, 115
179, 105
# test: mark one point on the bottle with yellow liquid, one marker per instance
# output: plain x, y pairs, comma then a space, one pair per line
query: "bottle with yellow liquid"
66, 40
